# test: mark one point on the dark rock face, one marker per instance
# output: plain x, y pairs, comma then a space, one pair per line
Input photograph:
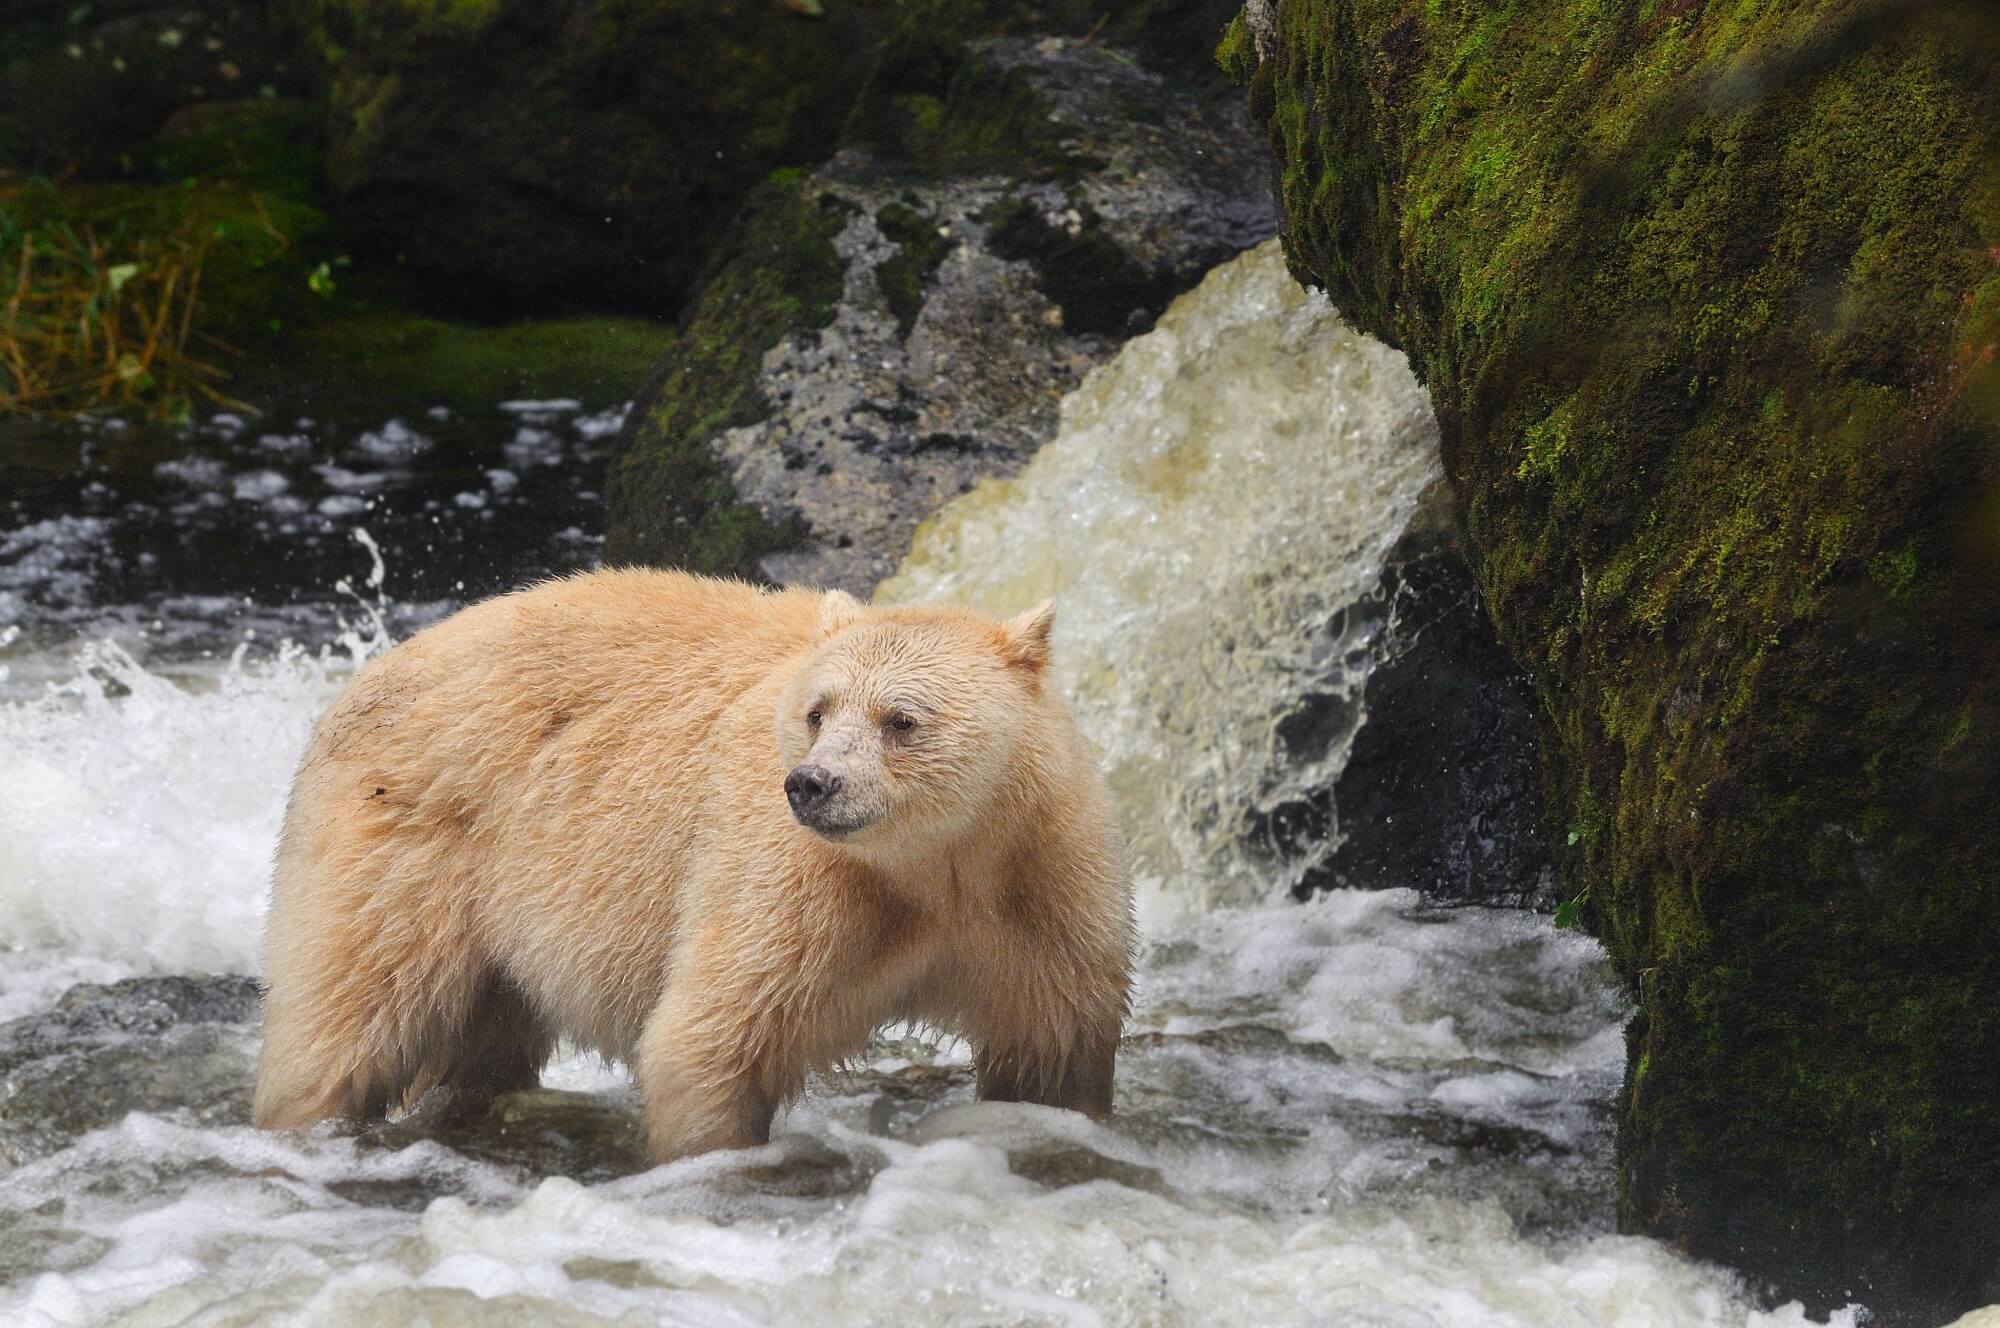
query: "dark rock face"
1441, 790
1709, 312
144, 1044
530, 157
82, 86
905, 320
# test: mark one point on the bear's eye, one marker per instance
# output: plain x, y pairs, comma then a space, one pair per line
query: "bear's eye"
902, 723
813, 718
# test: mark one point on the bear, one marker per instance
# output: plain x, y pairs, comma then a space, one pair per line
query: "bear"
719, 832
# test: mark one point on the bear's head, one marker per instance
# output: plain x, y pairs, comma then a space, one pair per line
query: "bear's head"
901, 728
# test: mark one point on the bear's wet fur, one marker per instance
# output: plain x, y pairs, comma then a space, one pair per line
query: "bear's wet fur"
565, 812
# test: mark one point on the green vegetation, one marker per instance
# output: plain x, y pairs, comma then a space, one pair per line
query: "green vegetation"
1706, 299
134, 297
213, 276
88, 322
394, 357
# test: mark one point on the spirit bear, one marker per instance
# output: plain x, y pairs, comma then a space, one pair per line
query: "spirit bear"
718, 832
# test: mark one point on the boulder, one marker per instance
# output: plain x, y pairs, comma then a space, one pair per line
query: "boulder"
144, 1044
524, 157
904, 320
527, 157
1708, 303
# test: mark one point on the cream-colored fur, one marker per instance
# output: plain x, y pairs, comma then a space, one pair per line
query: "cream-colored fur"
564, 812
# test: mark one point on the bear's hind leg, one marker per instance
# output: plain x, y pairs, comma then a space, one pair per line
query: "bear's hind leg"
352, 1040
502, 1048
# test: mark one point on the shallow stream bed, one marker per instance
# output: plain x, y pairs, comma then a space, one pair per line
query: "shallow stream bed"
1360, 1110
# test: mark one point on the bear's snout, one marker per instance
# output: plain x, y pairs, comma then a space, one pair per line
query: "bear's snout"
810, 790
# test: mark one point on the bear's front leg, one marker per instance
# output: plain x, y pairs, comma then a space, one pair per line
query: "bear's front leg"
1072, 1069
703, 1075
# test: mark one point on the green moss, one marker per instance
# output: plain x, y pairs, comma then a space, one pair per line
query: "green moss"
1236, 53
399, 359
670, 501
1704, 299
520, 158
275, 146
919, 250
329, 27
942, 109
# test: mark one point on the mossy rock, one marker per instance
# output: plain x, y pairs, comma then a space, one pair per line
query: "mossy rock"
519, 157
670, 500
1707, 299
82, 86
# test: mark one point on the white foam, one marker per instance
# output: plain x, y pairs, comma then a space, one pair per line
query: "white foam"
199, 472
137, 816
394, 441
260, 485
554, 406
945, 1230
138, 811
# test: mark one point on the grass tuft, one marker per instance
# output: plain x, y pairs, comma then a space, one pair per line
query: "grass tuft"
98, 318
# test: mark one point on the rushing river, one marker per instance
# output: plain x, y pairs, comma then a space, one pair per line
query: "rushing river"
1354, 1111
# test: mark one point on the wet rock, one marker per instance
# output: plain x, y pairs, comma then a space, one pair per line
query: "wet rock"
536, 1132
1441, 790
947, 278
179, 1044
1059, 1168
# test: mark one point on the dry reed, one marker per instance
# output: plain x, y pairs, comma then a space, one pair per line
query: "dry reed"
90, 322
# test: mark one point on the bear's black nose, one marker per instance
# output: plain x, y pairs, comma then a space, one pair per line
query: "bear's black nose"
809, 787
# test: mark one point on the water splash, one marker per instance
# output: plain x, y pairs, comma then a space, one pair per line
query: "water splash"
1214, 501
138, 809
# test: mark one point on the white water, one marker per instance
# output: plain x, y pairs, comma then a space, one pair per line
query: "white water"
1214, 500
1353, 1111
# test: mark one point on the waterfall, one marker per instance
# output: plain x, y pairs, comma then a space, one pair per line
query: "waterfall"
1216, 499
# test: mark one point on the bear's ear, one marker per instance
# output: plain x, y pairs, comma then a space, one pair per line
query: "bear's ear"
1025, 636
837, 609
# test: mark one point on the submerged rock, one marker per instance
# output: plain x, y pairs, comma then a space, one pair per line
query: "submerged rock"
905, 320
144, 1044
1708, 306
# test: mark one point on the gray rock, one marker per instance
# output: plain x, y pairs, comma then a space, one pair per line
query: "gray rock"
968, 289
